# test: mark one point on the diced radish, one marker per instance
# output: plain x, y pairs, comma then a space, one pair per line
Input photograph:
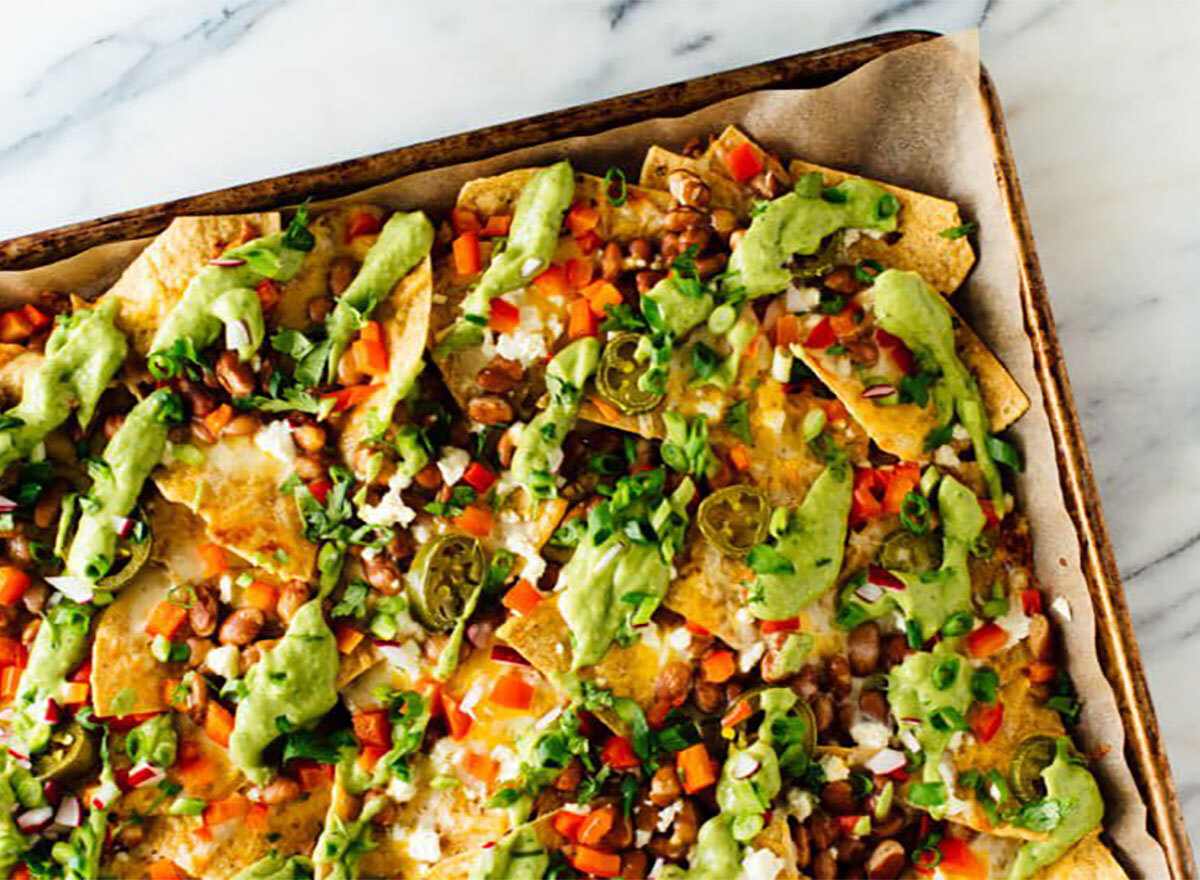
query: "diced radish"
877, 391
76, 589
7, 505
52, 714
869, 593
104, 795
53, 790
479, 633
32, 821
881, 577
743, 765
505, 654
145, 773
21, 759
548, 719
70, 813
227, 262
237, 334
886, 761
530, 266
123, 525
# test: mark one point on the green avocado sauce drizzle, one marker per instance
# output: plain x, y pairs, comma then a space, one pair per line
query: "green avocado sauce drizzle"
622, 567
532, 240
1074, 787
403, 242
806, 557
539, 441
58, 648
907, 307
224, 295
19, 789
796, 224
941, 598
275, 866
930, 693
82, 355
79, 855
519, 855
292, 686
343, 842
132, 453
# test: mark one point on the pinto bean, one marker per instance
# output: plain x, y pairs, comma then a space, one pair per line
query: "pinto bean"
202, 402
837, 669
680, 219
842, 280
852, 851
429, 477
709, 696
891, 824
611, 262
886, 861
235, 375
280, 790
695, 236
500, 376
687, 823
803, 841
823, 712
663, 847
489, 410
824, 830
570, 777
202, 615
241, 426
341, 273
309, 437
674, 682
862, 648
319, 308
669, 247
874, 705
308, 468
687, 188
19, 549
197, 697
634, 865
620, 836
895, 649
506, 447
382, 573
34, 599
665, 788
30, 630
824, 866
646, 280
112, 424
45, 512
711, 265
723, 221
642, 250
807, 682
242, 627
838, 797
198, 650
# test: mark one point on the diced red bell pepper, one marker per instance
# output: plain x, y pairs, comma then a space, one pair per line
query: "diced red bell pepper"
503, 316
362, 223
865, 504
618, 753
986, 719
821, 336
1031, 601
895, 347
743, 162
479, 477
986, 640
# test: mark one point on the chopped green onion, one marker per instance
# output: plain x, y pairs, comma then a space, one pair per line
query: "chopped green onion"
958, 231
1005, 453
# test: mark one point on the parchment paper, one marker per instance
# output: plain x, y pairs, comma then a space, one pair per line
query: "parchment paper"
913, 117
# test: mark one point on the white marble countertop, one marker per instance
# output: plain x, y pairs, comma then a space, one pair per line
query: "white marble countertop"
119, 103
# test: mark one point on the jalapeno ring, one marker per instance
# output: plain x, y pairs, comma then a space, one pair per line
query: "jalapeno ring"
618, 373
734, 519
1032, 756
913, 554
444, 573
72, 754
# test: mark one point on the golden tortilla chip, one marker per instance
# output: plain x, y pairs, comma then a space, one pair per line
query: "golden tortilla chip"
16, 362
236, 493
289, 829
543, 638
404, 318
921, 248
126, 679
901, 428
462, 865
153, 283
1089, 858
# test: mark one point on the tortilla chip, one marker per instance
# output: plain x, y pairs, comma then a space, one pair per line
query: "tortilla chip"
126, 679
153, 283
404, 318
236, 493
461, 866
1089, 858
901, 429
921, 248
289, 829
358, 661
16, 362
543, 638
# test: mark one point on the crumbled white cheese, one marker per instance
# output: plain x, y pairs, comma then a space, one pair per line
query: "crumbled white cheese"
509, 761
650, 638
835, 768
850, 236
709, 407
959, 433
945, 456
554, 458
800, 803
1013, 621
761, 864
223, 661
391, 510
535, 566
401, 791
453, 464
225, 588
667, 815
275, 440
472, 698
1061, 608
802, 299
641, 838
403, 658
424, 845
781, 364
749, 657
679, 639
774, 420
872, 734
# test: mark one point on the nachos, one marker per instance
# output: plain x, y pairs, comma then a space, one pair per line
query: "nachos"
595, 529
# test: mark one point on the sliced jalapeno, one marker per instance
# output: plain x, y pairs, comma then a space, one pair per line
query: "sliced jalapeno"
915, 554
618, 373
735, 518
132, 554
1032, 756
444, 573
71, 754
748, 705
